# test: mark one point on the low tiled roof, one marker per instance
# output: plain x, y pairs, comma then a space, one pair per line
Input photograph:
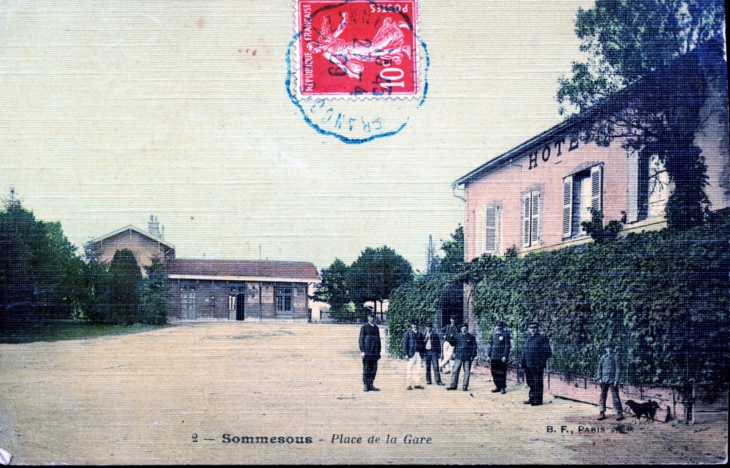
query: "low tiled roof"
242, 269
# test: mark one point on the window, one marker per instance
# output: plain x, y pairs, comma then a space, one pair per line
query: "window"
531, 209
283, 294
493, 229
581, 191
648, 186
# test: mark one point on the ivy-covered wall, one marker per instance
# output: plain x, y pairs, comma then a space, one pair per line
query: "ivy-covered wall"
662, 297
415, 300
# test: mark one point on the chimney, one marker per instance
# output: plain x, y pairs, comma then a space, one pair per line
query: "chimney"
153, 227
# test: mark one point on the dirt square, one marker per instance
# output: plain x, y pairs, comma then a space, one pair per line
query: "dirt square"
272, 392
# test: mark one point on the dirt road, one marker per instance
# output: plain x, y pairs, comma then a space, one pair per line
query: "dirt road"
203, 393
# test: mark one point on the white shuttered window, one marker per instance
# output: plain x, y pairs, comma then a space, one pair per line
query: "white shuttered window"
567, 206
531, 209
493, 229
582, 191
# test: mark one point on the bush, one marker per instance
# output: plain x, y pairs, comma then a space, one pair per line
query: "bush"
661, 296
414, 300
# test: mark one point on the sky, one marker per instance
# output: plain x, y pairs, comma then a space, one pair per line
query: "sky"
114, 111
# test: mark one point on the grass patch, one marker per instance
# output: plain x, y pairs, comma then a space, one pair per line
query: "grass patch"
69, 330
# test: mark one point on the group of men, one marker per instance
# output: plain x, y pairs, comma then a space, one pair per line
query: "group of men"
463, 350
459, 349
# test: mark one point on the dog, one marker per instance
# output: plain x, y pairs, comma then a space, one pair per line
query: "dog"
647, 409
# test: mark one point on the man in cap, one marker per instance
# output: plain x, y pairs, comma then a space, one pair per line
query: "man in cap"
464, 354
500, 345
535, 353
370, 352
432, 347
608, 374
412, 350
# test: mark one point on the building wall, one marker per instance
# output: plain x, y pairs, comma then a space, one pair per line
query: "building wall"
143, 248
217, 300
544, 168
505, 187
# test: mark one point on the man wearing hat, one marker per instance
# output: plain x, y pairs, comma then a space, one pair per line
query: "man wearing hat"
535, 353
412, 350
608, 374
500, 344
432, 347
464, 354
370, 351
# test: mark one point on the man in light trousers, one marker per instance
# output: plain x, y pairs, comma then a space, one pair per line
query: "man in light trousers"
413, 349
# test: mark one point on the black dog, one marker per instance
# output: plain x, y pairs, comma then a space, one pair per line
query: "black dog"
647, 409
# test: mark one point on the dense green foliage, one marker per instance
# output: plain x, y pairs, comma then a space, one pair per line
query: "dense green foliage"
44, 283
416, 300
334, 289
453, 252
422, 298
40, 276
652, 65
662, 297
376, 273
154, 300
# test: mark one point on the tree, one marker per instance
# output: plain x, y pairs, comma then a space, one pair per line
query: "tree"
453, 252
652, 65
125, 278
333, 289
376, 273
154, 302
40, 275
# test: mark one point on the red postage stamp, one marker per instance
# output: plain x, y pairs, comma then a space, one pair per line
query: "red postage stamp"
357, 48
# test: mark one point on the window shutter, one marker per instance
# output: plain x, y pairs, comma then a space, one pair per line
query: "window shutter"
632, 211
526, 220
567, 206
535, 226
596, 187
480, 234
498, 234
491, 243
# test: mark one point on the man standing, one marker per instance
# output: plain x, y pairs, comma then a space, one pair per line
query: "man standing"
412, 350
500, 345
535, 353
608, 374
432, 346
450, 334
370, 352
464, 353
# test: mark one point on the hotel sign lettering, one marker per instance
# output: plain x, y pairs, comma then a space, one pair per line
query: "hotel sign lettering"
545, 152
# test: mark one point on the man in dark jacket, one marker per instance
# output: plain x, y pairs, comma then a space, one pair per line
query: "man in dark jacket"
535, 353
500, 345
370, 352
432, 353
608, 374
413, 350
464, 354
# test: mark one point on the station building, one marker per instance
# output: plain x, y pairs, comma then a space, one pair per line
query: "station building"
240, 289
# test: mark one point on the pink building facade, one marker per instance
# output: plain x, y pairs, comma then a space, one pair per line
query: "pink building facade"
535, 196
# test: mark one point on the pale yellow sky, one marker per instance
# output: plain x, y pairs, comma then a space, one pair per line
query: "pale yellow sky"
111, 111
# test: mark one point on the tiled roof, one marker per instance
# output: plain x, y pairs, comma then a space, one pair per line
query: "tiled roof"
250, 269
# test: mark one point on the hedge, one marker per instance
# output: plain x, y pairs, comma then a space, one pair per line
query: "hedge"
661, 297
415, 300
